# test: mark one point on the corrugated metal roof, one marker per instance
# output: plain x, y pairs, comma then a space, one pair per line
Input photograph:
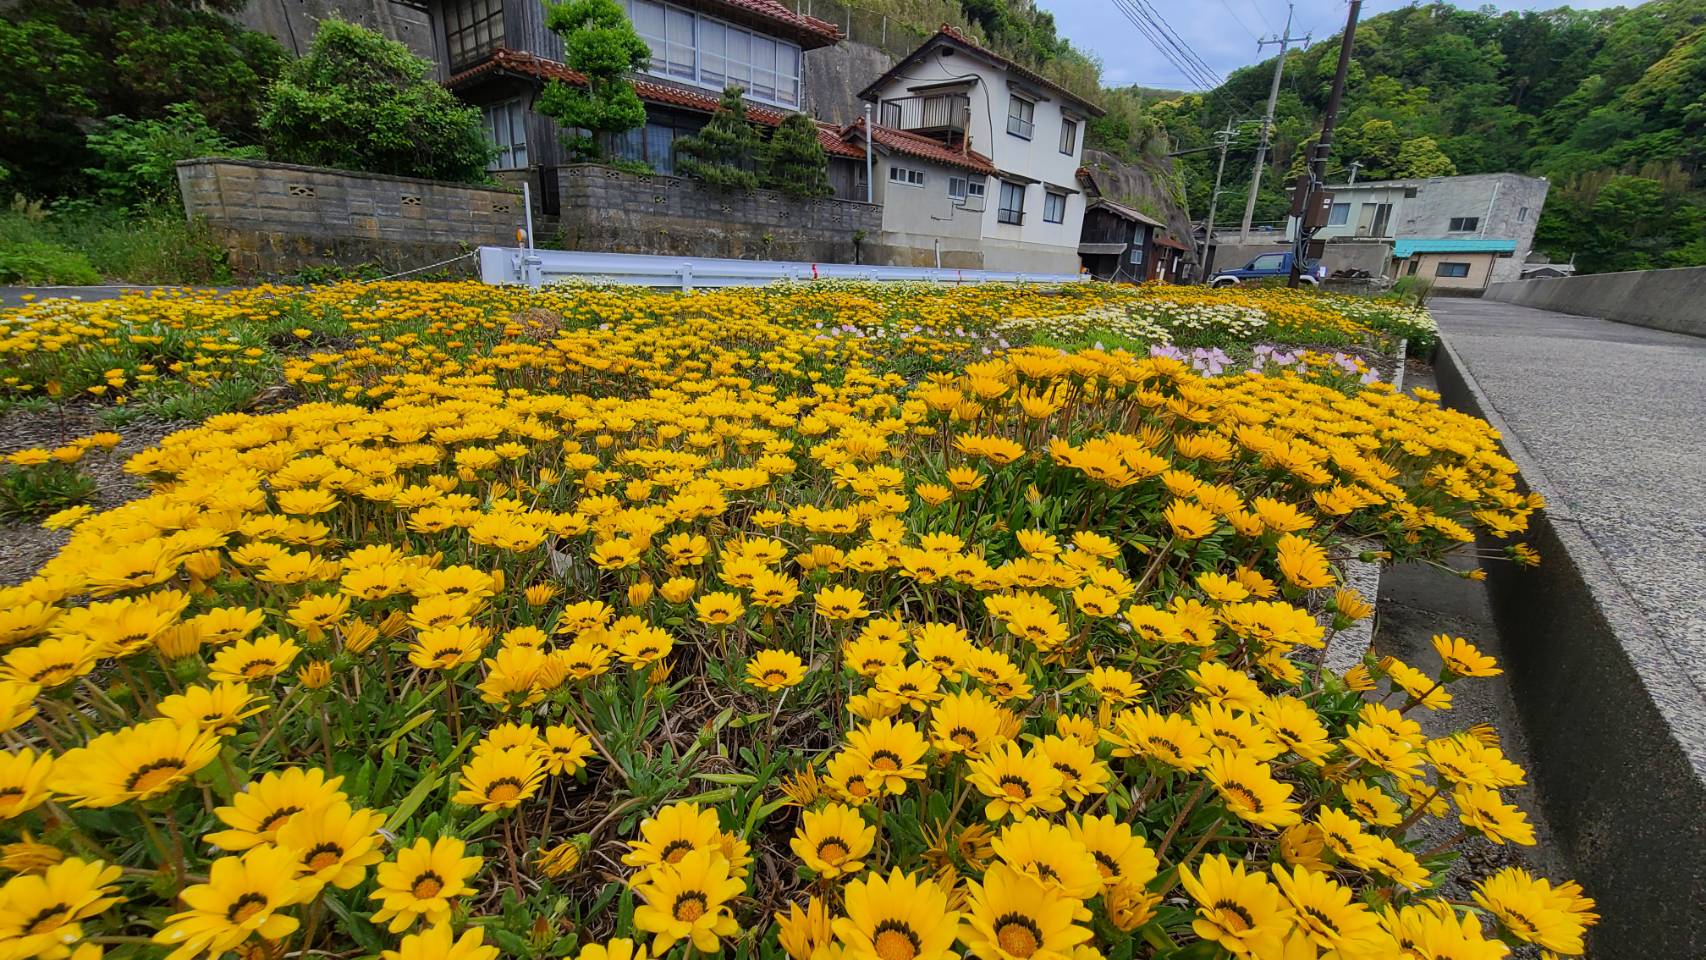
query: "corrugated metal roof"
1405, 248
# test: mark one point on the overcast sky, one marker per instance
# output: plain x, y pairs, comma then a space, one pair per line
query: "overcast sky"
1222, 32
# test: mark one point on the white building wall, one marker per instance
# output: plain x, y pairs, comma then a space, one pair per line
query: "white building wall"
1034, 244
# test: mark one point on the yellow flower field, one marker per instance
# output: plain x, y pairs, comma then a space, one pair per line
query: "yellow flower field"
807, 622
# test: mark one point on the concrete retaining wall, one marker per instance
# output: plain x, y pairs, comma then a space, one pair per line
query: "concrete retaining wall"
1616, 729
1672, 300
277, 218
610, 210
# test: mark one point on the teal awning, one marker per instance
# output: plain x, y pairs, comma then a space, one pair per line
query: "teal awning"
1404, 249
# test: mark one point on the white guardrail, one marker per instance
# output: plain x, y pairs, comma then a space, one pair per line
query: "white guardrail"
534, 268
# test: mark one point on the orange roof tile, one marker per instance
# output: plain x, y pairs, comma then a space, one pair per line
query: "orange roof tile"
776, 12
925, 148
527, 64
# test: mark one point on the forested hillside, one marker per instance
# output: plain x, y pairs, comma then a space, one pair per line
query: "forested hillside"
1609, 104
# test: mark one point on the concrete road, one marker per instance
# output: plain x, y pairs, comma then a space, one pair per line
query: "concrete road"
12, 296
1615, 417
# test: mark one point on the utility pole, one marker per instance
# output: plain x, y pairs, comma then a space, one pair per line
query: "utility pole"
1317, 175
1224, 138
1284, 40
1355, 165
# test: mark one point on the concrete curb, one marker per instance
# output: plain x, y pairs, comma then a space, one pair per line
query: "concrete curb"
1345, 648
1617, 731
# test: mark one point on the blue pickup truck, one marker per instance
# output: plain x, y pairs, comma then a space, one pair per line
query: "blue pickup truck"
1269, 266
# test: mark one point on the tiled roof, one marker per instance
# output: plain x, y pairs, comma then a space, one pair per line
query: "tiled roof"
1121, 210
947, 32
776, 12
834, 142
924, 148
527, 64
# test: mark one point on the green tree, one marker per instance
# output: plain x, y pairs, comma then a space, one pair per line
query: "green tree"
1419, 158
138, 158
794, 161
600, 43
725, 152
358, 101
69, 63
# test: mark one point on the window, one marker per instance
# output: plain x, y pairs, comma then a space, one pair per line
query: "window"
889, 114
1054, 207
1136, 255
1339, 214
1068, 136
1012, 208
652, 144
1449, 269
1464, 224
1521, 214
1373, 219
472, 29
1020, 114
1267, 261
912, 178
712, 53
966, 192
506, 129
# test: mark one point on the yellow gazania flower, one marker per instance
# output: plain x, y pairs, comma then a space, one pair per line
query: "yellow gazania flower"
28, 856
448, 647
51, 663
23, 781
1249, 788
421, 882
1482, 810
773, 670
1371, 804
1014, 916
1239, 910
1534, 911
968, 722
565, 750
40, 915
1429, 932
17, 703
1017, 783
243, 897
441, 943
719, 609
1303, 562
1188, 521
688, 900
1120, 854
894, 917
135, 763
264, 806
1326, 912
1168, 737
500, 780
802, 933
671, 834
1050, 853
1082, 774
616, 948
841, 603
892, 752
644, 646
832, 842
245, 661
1462, 659
334, 844
1113, 685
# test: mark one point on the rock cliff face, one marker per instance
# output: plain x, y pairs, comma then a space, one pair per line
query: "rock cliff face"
835, 75
1147, 186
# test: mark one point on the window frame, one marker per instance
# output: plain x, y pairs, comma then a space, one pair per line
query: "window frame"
1463, 225
1440, 269
1025, 118
907, 175
1339, 214
769, 68
1278, 260
463, 19
1068, 136
1056, 199
510, 147
1014, 216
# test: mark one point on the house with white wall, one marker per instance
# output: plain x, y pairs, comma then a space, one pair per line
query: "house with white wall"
977, 159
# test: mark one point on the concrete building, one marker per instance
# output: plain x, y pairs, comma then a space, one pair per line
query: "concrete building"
1460, 232
1020, 138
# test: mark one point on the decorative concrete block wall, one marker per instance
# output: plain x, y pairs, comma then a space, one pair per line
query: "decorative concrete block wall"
611, 210
278, 218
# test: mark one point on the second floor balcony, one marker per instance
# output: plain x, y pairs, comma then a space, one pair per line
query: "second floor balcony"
943, 115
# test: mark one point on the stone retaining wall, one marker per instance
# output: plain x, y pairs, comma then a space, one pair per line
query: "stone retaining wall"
610, 210
278, 218
1672, 300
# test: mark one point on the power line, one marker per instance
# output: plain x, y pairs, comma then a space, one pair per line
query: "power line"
1176, 50
1240, 20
